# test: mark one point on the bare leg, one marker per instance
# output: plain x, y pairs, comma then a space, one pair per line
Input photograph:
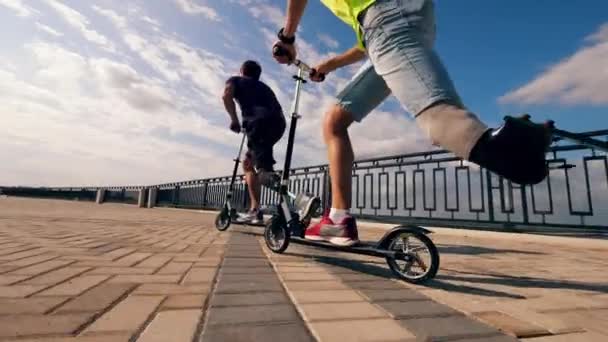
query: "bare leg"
340, 155
253, 183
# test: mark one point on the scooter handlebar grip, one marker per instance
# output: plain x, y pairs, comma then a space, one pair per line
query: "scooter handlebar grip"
278, 51
314, 72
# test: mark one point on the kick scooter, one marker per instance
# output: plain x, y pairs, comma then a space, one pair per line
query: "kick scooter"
228, 215
409, 253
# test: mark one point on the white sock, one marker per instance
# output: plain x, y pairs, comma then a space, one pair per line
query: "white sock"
337, 215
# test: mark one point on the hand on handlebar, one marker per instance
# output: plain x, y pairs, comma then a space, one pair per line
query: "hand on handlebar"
235, 126
318, 73
284, 53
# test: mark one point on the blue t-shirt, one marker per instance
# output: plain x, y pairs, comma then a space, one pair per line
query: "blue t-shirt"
255, 98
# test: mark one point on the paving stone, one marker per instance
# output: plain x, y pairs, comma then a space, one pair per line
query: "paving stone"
118, 253
40, 268
492, 338
22, 255
384, 330
512, 325
27, 325
128, 315
208, 262
573, 337
56, 276
200, 275
96, 299
31, 260
392, 295
591, 320
175, 268
287, 277
375, 285
163, 289
174, 326
247, 270
10, 279
19, 291
236, 315
131, 259
184, 301
454, 327
328, 296
220, 300
155, 261
554, 324
259, 285
293, 332
340, 311
243, 262
151, 278
29, 305
316, 286
417, 309
110, 337
74, 286
122, 271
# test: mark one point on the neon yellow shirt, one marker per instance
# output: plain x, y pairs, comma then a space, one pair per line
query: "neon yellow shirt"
347, 11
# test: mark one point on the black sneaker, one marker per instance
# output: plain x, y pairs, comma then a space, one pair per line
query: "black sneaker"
516, 150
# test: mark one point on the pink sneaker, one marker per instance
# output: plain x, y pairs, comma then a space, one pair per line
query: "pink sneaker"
341, 234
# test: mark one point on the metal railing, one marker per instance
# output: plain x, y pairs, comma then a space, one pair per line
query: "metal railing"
429, 188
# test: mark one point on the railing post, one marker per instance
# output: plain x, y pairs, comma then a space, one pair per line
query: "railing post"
152, 193
245, 194
204, 202
490, 196
101, 194
327, 192
175, 199
524, 204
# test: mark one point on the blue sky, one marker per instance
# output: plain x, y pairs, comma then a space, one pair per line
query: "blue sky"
122, 92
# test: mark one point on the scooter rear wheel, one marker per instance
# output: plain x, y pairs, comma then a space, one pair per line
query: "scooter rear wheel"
277, 234
418, 260
223, 220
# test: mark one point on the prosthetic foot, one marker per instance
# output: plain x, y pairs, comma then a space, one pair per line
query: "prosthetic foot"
516, 150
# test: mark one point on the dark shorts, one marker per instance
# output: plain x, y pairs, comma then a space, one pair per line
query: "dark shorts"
262, 134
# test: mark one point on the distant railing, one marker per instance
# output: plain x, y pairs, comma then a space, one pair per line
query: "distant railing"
429, 188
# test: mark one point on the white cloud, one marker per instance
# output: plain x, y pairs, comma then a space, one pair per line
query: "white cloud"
80, 22
580, 79
193, 8
48, 30
21, 9
118, 20
268, 13
328, 41
153, 114
95, 125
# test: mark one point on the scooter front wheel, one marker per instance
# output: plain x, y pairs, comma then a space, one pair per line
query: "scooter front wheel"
223, 220
416, 257
277, 234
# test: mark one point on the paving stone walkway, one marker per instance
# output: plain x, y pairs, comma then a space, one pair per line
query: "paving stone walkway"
74, 271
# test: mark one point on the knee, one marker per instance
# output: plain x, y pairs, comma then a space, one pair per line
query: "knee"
336, 122
248, 165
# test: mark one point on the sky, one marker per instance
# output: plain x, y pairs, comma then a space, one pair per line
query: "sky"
114, 92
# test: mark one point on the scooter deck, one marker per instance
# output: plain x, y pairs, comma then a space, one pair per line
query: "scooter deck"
560, 134
580, 139
366, 248
262, 224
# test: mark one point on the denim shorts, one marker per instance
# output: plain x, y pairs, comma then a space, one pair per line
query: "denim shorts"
399, 36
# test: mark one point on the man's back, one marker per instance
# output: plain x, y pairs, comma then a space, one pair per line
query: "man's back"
251, 94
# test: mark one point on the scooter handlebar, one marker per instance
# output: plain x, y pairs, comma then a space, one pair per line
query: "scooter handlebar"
278, 51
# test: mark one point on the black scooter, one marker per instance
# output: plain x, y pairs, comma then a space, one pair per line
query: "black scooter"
409, 253
229, 215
